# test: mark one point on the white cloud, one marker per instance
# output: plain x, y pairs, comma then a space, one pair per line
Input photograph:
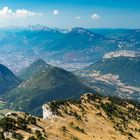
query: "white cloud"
56, 12
95, 16
25, 13
78, 17
6, 12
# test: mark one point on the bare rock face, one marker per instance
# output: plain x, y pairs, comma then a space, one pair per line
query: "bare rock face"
124, 53
47, 112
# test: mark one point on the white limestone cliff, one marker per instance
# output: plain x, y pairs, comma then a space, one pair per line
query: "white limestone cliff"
47, 112
124, 53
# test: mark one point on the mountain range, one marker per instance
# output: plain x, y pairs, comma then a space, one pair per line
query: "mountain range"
127, 68
103, 63
42, 82
43, 85
117, 74
57, 46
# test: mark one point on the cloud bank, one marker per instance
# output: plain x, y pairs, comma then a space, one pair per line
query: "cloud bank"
6, 12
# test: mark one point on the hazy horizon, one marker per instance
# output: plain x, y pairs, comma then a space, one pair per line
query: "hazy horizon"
53, 27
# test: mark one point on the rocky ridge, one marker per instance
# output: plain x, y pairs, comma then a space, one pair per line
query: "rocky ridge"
92, 117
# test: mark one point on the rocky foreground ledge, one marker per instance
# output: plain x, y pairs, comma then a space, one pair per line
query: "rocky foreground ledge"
92, 117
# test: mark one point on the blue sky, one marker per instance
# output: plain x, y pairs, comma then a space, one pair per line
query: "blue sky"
71, 13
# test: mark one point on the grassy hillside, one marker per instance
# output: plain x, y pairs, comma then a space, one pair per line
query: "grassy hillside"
92, 117
32, 69
47, 85
127, 68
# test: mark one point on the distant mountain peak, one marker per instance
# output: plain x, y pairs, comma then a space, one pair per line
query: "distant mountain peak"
32, 69
80, 30
40, 61
38, 27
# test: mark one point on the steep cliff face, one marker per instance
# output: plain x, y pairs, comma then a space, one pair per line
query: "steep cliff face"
47, 112
124, 53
